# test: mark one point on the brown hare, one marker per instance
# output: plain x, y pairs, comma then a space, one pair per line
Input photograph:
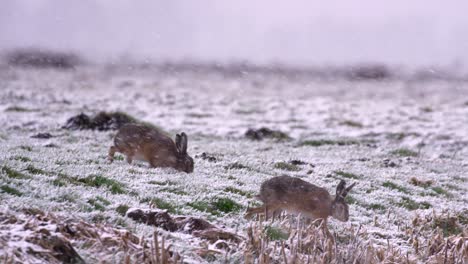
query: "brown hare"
285, 193
142, 142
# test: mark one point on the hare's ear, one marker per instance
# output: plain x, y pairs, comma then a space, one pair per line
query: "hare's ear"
178, 140
183, 143
345, 192
340, 188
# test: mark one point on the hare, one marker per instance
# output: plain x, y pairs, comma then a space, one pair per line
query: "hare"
149, 144
285, 193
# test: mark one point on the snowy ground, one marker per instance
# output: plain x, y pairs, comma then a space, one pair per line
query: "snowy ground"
378, 134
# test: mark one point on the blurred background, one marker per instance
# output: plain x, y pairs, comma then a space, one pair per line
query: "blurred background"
410, 33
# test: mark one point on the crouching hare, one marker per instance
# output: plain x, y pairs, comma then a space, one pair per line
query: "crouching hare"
142, 142
285, 193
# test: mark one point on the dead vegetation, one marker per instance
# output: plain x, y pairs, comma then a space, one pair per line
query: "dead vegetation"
33, 236
312, 244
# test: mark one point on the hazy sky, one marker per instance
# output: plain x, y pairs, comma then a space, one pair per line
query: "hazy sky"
406, 32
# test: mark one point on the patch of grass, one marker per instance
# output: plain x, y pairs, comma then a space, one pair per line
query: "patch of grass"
16, 108
161, 204
348, 175
162, 183
176, 191
201, 206
275, 233
14, 174
454, 187
27, 148
198, 115
286, 166
411, 205
240, 183
350, 199
68, 197
59, 182
96, 204
99, 218
21, 158
226, 205
463, 217
401, 135
216, 206
375, 206
395, 186
324, 142
133, 171
448, 224
237, 191
119, 157
122, 209
92, 161
404, 152
103, 200
10, 190
352, 123
61, 162
97, 181
33, 170
237, 166
441, 191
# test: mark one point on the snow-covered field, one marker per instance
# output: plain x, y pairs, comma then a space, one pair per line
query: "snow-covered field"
404, 143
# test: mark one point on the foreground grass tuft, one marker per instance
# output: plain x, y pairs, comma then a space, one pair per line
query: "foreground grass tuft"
275, 233
448, 224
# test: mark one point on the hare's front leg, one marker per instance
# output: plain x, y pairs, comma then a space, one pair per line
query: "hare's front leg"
253, 211
112, 151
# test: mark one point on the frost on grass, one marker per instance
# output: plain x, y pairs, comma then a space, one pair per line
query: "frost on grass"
406, 167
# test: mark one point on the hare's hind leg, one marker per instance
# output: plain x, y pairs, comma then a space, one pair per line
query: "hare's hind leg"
112, 151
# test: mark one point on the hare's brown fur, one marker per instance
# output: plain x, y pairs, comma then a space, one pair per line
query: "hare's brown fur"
285, 193
142, 142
